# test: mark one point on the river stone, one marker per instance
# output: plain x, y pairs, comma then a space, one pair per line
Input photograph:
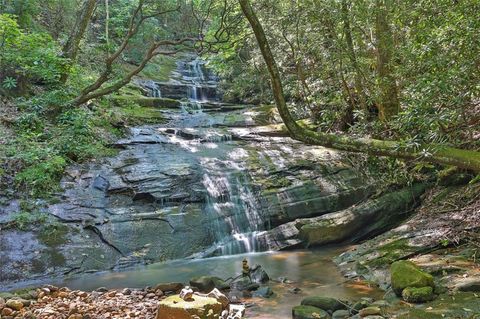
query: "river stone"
207, 283
469, 285
309, 312
259, 275
406, 274
245, 284
174, 307
370, 311
359, 305
169, 286
418, 295
326, 303
341, 314
264, 292
14, 304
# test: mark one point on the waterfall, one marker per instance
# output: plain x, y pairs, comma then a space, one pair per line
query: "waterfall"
153, 87
232, 203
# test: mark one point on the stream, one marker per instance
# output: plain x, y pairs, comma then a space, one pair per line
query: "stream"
310, 270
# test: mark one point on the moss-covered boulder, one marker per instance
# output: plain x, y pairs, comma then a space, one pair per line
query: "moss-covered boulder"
406, 274
175, 307
309, 312
326, 303
418, 295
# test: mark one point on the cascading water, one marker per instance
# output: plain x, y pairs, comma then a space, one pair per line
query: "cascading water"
232, 202
152, 86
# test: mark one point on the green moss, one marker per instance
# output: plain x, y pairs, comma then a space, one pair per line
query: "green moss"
24, 219
390, 252
42, 177
406, 274
145, 101
309, 312
159, 68
418, 295
53, 234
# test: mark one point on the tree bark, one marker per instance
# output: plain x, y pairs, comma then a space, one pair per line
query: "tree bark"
388, 104
71, 47
433, 153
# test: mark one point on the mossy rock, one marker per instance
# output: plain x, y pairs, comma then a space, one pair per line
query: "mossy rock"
406, 274
420, 313
309, 312
326, 303
418, 295
175, 307
157, 102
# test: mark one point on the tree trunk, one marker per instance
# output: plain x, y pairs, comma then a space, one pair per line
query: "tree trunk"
352, 56
70, 49
388, 104
433, 153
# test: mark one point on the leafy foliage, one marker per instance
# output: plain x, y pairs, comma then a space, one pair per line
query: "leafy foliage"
32, 56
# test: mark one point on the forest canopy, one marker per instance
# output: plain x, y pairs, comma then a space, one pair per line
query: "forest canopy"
384, 77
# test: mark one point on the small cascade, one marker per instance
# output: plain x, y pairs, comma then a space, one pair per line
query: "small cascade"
153, 87
232, 202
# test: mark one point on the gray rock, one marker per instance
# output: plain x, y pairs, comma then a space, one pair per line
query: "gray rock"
341, 314
372, 217
259, 275
208, 283
263, 292
169, 287
470, 285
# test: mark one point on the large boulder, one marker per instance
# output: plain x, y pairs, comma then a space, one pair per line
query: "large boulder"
326, 303
366, 219
175, 307
208, 283
309, 312
406, 274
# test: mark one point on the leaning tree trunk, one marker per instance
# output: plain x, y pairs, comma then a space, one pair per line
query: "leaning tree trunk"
429, 152
388, 104
71, 47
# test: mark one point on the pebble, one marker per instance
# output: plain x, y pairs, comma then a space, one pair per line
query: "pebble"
14, 304
7, 312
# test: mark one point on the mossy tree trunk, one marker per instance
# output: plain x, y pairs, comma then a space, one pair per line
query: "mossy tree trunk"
71, 47
430, 152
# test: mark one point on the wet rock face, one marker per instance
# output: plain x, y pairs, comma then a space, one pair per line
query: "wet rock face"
203, 184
